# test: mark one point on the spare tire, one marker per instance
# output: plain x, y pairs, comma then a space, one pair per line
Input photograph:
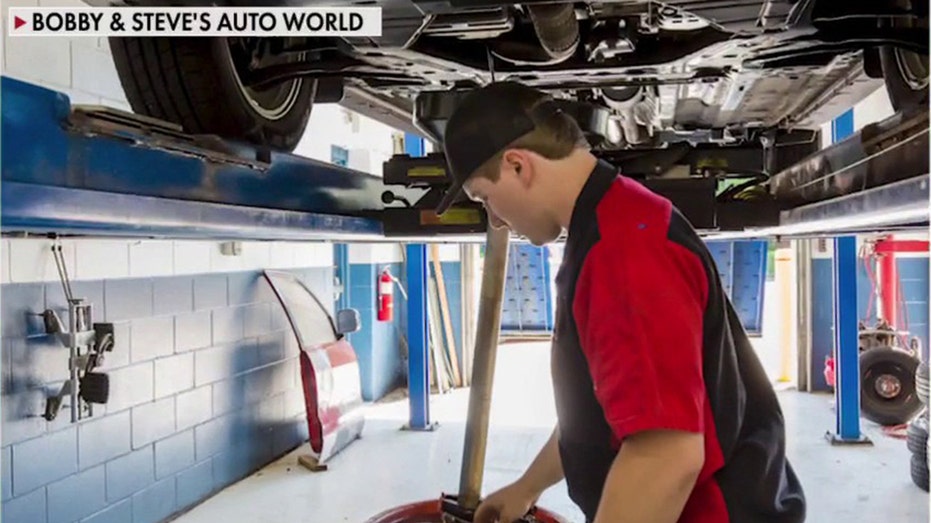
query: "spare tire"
887, 386
197, 83
921, 383
905, 72
917, 437
919, 472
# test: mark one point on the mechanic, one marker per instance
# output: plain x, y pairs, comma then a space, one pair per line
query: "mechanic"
665, 413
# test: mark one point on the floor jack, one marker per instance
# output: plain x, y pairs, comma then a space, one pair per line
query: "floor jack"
461, 508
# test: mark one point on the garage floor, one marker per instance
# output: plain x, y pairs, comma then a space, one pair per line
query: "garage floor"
862, 484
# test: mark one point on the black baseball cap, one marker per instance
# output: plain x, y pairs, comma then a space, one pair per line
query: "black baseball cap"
486, 121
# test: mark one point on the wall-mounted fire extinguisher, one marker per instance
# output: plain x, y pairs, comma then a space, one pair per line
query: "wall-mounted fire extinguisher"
385, 296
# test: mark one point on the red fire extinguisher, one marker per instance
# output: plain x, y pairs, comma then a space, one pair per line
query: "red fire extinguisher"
385, 296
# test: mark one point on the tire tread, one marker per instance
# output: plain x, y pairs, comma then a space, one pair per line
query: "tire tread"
180, 80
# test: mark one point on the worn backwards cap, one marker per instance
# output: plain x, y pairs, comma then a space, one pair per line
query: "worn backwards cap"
488, 120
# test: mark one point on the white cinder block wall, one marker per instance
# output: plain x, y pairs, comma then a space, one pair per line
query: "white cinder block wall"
874, 108
29, 260
80, 67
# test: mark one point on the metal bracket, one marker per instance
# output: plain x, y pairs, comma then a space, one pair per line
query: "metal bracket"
92, 120
87, 343
453, 512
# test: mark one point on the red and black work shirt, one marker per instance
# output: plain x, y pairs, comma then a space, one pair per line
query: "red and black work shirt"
645, 338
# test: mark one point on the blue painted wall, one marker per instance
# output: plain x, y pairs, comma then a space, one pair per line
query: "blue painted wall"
822, 312
452, 276
528, 306
913, 273
378, 343
742, 267
205, 389
822, 320
382, 346
748, 288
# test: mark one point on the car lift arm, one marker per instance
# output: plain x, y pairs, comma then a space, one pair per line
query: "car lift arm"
91, 170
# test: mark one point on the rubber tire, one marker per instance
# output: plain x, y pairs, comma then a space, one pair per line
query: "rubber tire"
903, 407
921, 383
901, 95
919, 472
917, 437
192, 82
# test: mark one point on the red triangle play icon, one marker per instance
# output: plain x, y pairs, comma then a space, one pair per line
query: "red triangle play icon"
18, 22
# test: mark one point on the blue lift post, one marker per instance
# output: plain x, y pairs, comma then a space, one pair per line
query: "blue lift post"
846, 329
846, 341
418, 374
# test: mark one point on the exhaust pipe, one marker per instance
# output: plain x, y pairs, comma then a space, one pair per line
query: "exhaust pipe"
557, 31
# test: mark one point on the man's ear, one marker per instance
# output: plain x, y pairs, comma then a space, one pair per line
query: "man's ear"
519, 162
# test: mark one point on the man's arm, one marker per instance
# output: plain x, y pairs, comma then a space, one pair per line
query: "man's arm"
652, 477
546, 469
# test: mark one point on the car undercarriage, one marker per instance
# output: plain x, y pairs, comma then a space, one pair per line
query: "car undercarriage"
635, 74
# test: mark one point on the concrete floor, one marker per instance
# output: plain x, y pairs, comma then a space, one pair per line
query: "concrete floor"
863, 484
388, 466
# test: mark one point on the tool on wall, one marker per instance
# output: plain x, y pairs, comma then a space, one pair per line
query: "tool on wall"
87, 342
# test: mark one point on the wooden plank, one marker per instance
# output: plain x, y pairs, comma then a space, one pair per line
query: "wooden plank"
469, 256
444, 311
436, 345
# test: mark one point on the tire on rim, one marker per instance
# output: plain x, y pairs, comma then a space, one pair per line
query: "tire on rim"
921, 384
917, 437
197, 83
905, 72
887, 386
919, 472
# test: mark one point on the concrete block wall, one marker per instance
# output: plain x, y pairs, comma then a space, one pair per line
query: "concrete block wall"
822, 304
451, 265
204, 376
382, 346
81, 67
913, 271
381, 361
369, 143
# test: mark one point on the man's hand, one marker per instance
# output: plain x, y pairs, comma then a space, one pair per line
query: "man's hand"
516, 499
652, 477
506, 505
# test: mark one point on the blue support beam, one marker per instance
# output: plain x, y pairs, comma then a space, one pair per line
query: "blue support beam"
142, 178
846, 337
418, 373
41, 209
